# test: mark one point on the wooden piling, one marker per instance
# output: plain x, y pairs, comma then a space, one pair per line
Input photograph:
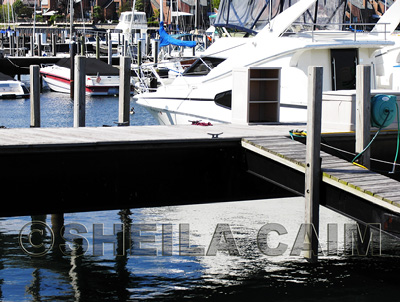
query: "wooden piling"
156, 44
35, 95
139, 53
83, 45
124, 90
363, 113
39, 44
72, 69
313, 162
79, 93
109, 49
97, 46
126, 48
23, 45
11, 44
32, 44
54, 44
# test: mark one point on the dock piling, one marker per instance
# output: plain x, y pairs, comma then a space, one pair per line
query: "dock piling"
139, 53
124, 90
97, 46
155, 46
54, 44
35, 95
72, 69
32, 45
313, 161
79, 93
109, 49
39, 45
363, 113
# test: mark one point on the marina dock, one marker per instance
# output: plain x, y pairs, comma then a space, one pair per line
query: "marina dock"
48, 170
56, 170
358, 193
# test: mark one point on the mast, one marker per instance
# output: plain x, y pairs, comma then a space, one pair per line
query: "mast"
196, 17
177, 14
132, 17
71, 20
161, 11
34, 29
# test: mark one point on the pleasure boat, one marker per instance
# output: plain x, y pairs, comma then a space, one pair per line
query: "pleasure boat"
11, 88
132, 26
101, 78
388, 58
204, 91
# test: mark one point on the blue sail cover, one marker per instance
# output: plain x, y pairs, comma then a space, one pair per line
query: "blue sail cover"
166, 39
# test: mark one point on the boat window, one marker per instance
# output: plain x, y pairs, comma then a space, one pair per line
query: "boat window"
202, 66
128, 18
139, 18
224, 99
9, 87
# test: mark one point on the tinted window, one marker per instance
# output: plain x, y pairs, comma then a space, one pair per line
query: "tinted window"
202, 66
224, 99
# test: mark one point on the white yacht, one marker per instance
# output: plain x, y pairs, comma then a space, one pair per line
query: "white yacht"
129, 25
204, 92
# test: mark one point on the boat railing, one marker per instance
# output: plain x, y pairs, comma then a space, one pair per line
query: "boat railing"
146, 75
323, 31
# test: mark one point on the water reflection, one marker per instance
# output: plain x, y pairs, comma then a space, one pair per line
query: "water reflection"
118, 275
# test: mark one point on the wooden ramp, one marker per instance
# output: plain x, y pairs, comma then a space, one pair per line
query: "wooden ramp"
358, 193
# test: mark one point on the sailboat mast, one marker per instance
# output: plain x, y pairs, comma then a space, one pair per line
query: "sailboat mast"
132, 17
71, 20
161, 11
177, 14
34, 27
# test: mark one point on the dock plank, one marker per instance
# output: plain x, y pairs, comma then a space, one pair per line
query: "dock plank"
336, 171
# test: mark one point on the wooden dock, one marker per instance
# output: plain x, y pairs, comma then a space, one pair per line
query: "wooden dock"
58, 170
358, 193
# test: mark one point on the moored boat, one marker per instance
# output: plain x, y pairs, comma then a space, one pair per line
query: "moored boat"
205, 90
11, 88
101, 78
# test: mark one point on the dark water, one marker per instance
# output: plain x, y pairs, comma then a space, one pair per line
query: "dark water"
74, 268
115, 276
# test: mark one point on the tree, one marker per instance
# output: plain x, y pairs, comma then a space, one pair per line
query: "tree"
215, 3
20, 9
97, 14
127, 6
139, 5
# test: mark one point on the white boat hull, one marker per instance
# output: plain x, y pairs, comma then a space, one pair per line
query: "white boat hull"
57, 78
13, 90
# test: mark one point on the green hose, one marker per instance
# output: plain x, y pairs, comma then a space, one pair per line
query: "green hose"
398, 139
376, 134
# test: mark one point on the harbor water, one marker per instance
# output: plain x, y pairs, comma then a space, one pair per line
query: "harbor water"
193, 252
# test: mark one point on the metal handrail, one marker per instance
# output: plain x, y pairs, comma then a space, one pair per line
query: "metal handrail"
352, 26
